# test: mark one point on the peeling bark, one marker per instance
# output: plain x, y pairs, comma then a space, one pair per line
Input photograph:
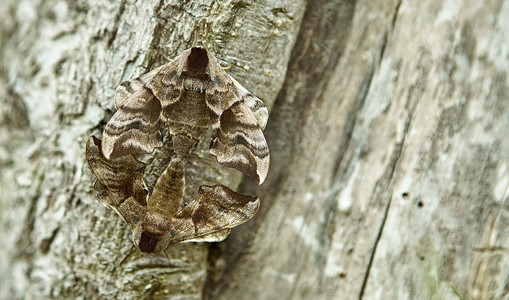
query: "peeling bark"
389, 171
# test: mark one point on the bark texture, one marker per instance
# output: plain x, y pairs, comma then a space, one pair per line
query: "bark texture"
389, 176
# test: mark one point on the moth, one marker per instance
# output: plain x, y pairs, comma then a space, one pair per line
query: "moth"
209, 217
187, 95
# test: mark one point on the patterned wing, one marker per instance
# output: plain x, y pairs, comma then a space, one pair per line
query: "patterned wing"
256, 105
127, 88
117, 179
238, 120
135, 127
216, 209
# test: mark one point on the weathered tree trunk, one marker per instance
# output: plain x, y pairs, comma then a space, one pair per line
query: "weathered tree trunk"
388, 129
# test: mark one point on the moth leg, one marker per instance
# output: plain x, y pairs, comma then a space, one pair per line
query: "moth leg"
145, 187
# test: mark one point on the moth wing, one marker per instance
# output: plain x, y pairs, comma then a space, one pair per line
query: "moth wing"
127, 88
135, 127
117, 179
214, 237
256, 105
238, 142
215, 210
238, 119
165, 82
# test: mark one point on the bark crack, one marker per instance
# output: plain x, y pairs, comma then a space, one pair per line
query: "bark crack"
378, 187
113, 34
395, 15
362, 96
386, 35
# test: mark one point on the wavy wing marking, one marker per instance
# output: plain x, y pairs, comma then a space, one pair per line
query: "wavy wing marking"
238, 142
135, 127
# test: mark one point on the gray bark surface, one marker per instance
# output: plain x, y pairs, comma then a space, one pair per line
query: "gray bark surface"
388, 135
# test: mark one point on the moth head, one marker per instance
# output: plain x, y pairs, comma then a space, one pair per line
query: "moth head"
149, 242
197, 62
150, 235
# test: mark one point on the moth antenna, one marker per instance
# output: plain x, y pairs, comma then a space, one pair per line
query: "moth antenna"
196, 34
207, 30
167, 256
197, 29
234, 63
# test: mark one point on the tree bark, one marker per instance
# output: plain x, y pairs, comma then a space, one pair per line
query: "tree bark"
388, 136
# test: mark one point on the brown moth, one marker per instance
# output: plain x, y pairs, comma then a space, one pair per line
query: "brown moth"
187, 95
209, 217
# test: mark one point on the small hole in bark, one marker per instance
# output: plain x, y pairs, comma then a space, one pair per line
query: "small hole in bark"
342, 275
405, 195
420, 204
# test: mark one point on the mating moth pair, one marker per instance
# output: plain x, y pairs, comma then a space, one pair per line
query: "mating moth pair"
186, 95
